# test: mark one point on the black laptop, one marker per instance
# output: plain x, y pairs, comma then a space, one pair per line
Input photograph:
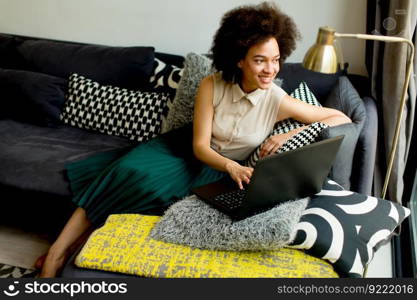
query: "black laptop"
276, 178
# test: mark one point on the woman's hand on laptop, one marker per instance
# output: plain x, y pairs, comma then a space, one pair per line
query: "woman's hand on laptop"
240, 174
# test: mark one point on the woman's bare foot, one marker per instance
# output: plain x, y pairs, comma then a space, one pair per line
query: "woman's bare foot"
53, 264
73, 233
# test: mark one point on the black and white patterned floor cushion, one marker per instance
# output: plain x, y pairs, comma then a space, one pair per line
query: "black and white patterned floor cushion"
7, 271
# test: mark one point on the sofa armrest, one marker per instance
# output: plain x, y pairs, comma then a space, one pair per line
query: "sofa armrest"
345, 98
342, 166
365, 153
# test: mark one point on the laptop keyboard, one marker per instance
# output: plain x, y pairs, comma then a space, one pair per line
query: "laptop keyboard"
231, 200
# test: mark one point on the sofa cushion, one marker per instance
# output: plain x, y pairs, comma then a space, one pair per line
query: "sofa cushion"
171, 59
321, 84
128, 67
34, 157
10, 58
115, 111
31, 97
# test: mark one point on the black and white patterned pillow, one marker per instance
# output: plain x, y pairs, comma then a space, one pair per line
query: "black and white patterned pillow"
346, 228
303, 93
113, 110
165, 78
303, 138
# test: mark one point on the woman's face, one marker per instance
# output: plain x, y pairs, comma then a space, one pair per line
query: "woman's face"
260, 66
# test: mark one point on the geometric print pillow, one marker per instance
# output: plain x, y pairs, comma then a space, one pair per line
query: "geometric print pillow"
346, 228
307, 136
112, 110
165, 78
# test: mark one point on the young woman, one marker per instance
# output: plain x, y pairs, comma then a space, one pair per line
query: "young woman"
235, 110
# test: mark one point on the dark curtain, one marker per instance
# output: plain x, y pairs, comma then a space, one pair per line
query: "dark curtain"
386, 63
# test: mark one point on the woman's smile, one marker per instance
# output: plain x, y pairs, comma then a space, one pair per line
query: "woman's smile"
266, 79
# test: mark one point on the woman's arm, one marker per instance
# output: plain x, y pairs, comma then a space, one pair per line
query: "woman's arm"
307, 113
303, 112
202, 131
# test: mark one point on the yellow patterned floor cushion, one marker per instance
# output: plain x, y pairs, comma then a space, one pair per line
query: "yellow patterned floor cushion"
123, 245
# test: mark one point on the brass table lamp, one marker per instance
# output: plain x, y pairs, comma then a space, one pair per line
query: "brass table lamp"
324, 57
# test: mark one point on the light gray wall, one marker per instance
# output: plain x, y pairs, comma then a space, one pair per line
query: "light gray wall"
174, 26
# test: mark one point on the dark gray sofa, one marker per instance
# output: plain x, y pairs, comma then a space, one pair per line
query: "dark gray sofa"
34, 151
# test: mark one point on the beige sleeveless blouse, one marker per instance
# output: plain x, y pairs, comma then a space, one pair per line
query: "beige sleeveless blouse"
242, 121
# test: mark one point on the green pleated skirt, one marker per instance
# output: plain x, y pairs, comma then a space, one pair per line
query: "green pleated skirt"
149, 177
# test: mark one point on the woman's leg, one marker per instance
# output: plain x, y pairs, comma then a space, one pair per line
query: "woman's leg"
60, 250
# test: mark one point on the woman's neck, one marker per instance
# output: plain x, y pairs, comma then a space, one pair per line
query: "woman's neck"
246, 89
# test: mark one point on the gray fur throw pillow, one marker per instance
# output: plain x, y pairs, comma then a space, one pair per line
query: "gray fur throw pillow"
196, 67
194, 223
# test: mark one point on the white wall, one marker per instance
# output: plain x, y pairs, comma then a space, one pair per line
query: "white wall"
174, 26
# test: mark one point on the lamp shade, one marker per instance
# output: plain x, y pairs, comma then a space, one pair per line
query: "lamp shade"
322, 56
